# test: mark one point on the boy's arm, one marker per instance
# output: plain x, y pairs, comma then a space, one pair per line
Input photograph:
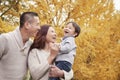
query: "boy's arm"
65, 48
67, 45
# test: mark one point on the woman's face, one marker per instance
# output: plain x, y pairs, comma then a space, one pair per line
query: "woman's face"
51, 35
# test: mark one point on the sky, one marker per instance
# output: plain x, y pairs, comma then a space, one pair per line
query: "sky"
117, 4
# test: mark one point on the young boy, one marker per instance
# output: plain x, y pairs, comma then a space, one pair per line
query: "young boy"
65, 58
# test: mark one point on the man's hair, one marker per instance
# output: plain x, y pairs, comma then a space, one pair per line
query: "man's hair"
26, 16
77, 28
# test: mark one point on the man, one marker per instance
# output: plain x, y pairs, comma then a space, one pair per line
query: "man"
14, 47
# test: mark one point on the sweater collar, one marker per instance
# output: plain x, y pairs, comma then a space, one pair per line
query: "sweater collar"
18, 38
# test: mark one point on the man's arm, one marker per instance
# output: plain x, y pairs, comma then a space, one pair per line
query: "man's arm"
3, 42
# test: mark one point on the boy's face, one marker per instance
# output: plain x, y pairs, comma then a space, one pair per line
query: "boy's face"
69, 30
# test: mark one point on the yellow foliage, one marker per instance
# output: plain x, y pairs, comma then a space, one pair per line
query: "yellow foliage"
98, 52
5, 27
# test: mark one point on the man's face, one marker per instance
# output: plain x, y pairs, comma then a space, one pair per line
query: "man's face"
34, 26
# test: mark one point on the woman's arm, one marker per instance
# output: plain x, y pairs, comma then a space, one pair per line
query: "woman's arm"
56, 72
38, 64
54, 49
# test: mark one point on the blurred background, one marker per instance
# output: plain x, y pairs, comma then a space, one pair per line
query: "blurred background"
98, 45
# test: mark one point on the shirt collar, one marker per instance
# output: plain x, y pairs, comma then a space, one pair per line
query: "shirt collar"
67, 37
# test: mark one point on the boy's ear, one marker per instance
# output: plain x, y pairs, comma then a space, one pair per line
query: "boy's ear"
75, 34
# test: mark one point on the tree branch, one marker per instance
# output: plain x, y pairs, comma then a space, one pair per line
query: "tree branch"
9, 9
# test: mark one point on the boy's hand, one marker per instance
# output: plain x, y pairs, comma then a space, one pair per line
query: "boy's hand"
58, 45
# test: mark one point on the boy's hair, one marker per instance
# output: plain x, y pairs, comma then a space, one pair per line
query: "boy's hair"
77, 28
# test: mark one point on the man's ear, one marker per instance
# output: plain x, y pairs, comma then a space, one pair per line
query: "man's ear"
26, 24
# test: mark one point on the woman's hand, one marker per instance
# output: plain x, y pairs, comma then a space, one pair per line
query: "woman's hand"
54, 50
55, 72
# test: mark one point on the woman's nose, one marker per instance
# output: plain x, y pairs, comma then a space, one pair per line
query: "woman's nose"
55, 34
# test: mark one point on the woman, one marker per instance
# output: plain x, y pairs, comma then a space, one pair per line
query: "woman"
42, 53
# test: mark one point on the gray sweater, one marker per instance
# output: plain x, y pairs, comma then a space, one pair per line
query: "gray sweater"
38, 64
13, 56
67, 50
